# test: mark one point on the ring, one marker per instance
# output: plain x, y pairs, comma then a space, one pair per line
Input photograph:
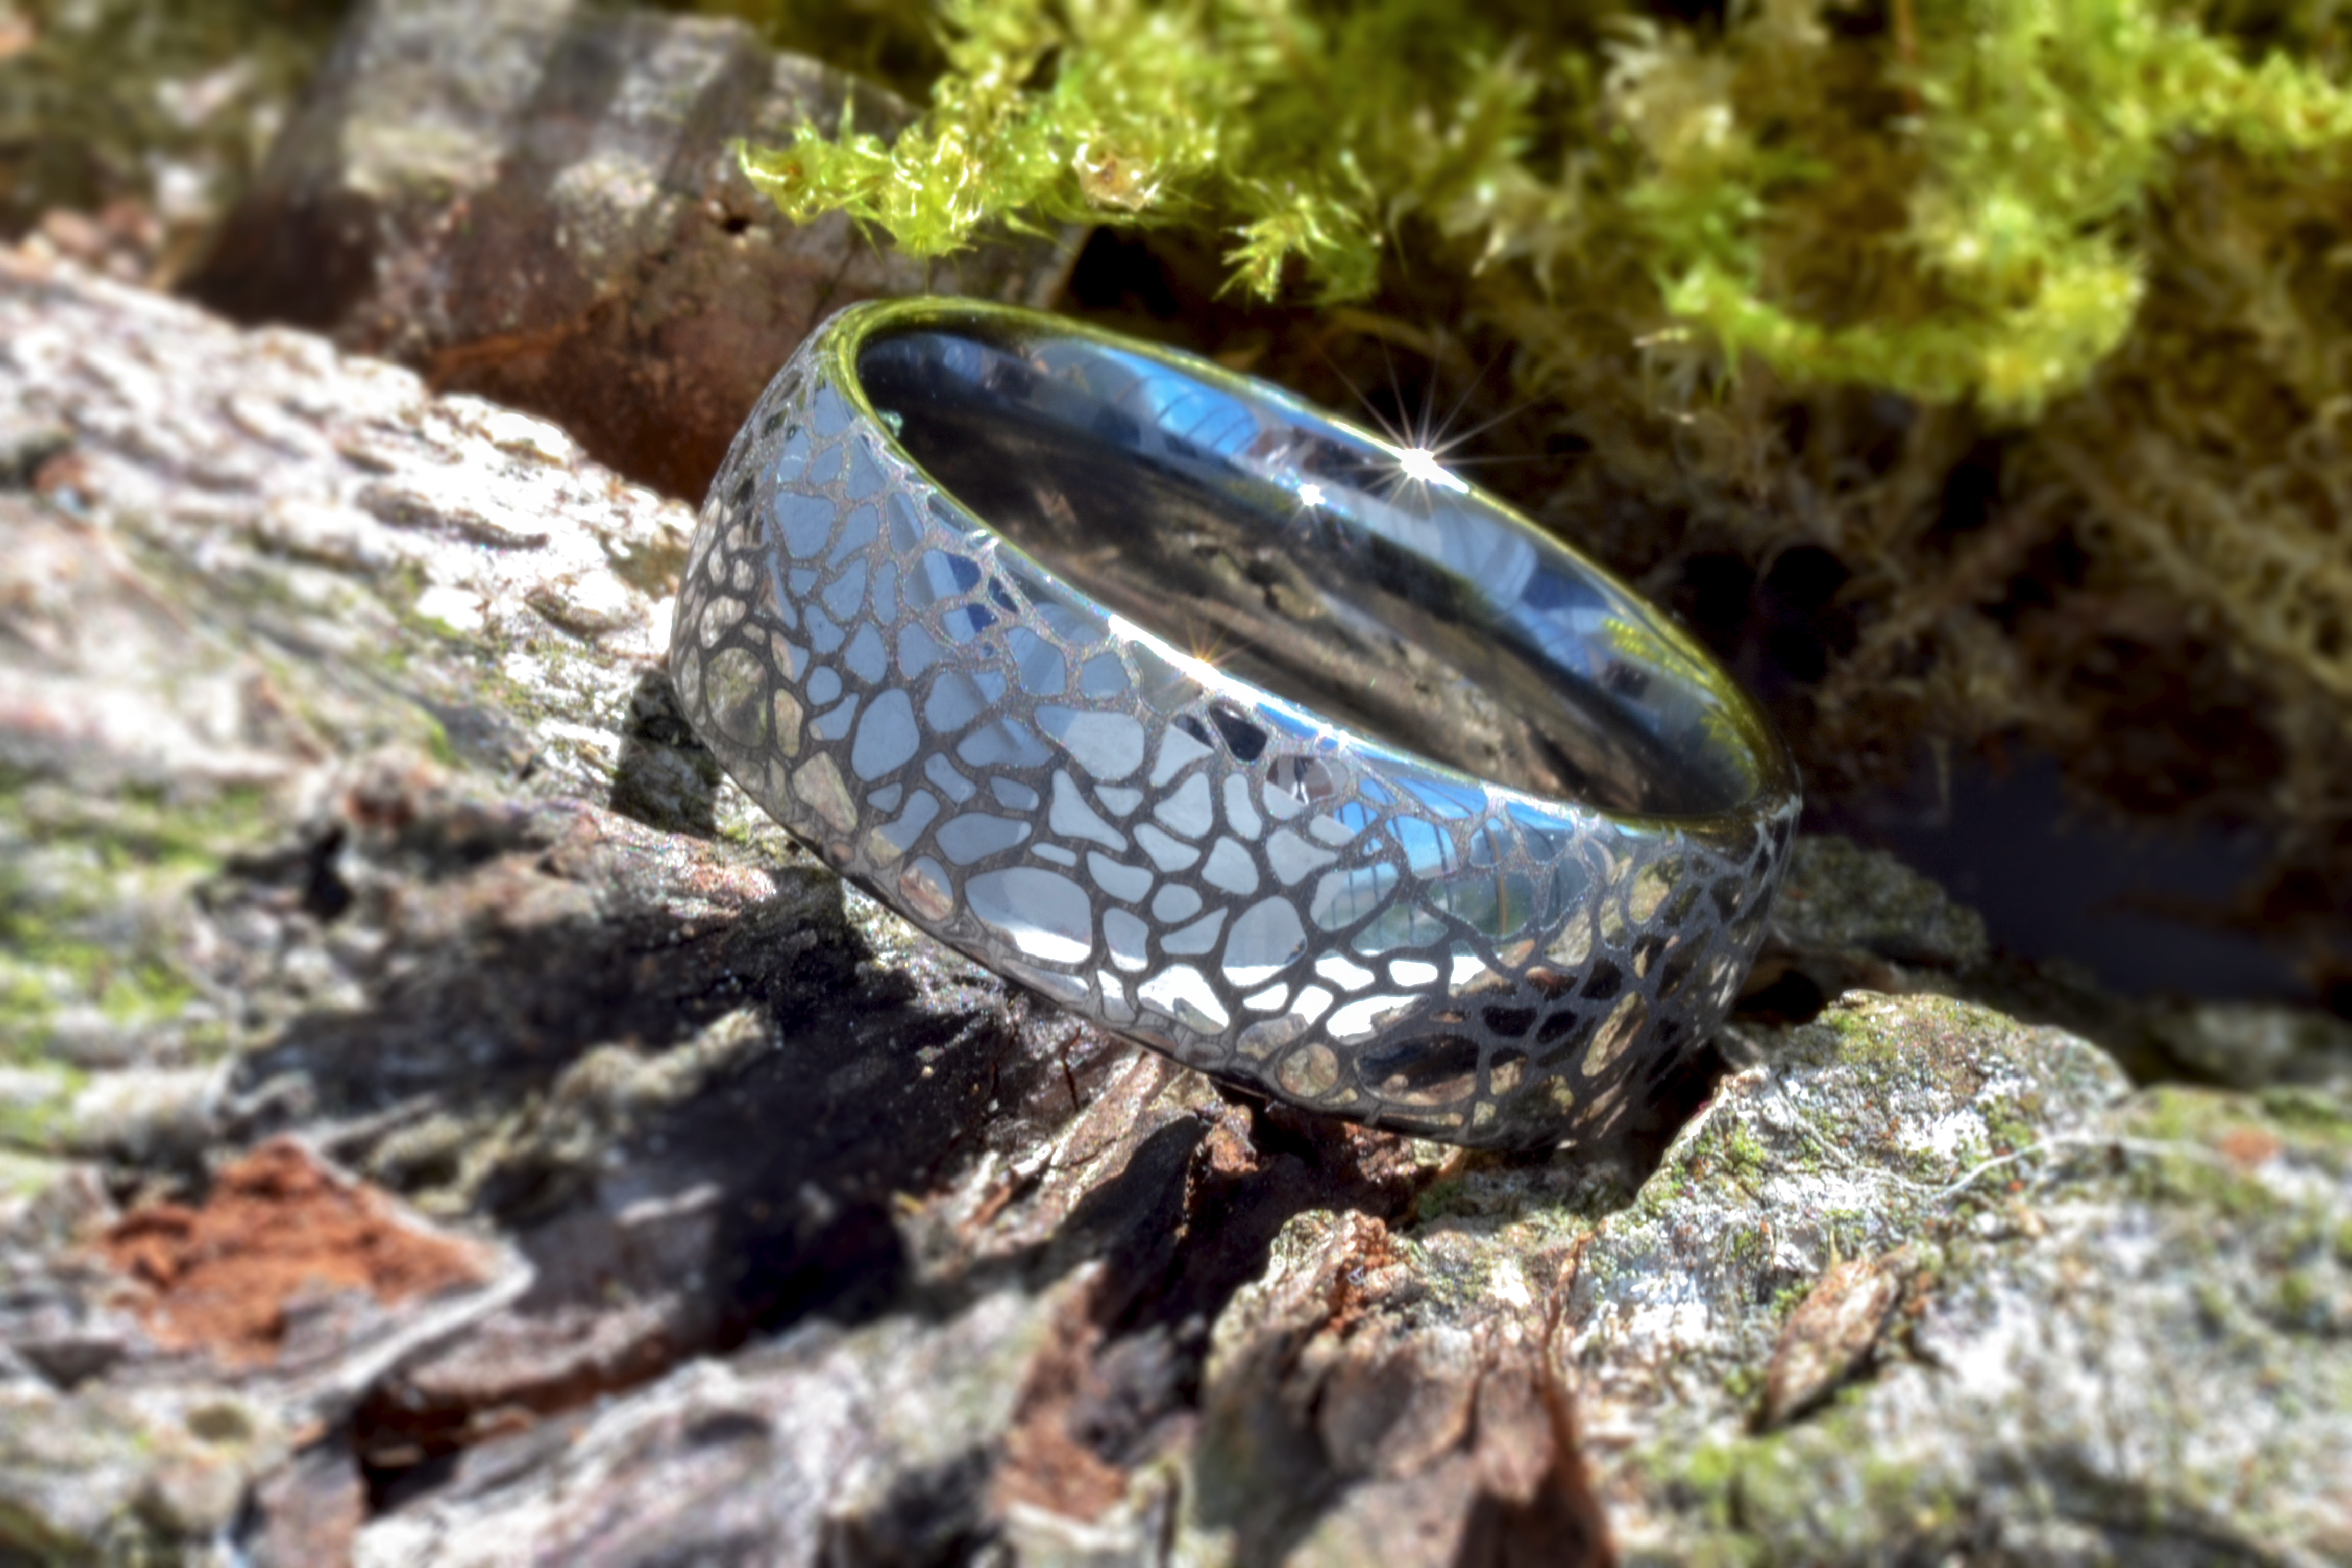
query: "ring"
1230, 725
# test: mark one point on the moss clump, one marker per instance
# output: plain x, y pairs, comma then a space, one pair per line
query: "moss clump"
1743, 1155
1990, 349
2015, 140
2217, 1151
1761, 1499
48, 967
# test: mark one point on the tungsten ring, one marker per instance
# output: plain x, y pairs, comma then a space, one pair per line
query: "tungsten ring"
1230, 725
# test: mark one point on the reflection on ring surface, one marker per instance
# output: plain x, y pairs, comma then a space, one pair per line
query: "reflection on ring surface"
1354, 577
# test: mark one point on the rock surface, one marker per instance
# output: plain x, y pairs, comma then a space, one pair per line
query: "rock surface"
539, 201
347, 826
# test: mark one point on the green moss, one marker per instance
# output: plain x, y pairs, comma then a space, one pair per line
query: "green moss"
77, 873
1440, 1200
2184, 1179
1708, 1475
1861, 1035
23, 1175
1742, 1153
436, 741
47, 970
1784, 1301
1663, 1191
2300, 1292
2219, 1156
1898, 1502
2189, 1114
2025, 136
1750, 1248
1811, 1492
2007, 1126
2316, 1122
137, 825
37, 1120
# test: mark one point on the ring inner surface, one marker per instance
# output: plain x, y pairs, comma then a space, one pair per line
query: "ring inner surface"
1251, 531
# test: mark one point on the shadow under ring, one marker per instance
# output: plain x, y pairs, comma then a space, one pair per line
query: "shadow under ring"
1228, 724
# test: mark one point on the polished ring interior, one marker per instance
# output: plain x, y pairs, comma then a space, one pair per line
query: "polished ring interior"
1231, 725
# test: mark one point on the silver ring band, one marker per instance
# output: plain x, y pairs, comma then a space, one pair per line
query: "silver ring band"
1230, 725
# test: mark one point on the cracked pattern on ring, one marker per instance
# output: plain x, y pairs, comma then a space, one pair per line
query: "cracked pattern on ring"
1185, 861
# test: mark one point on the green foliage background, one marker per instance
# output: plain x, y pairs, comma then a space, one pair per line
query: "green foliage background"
1983, 161
1787, 269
